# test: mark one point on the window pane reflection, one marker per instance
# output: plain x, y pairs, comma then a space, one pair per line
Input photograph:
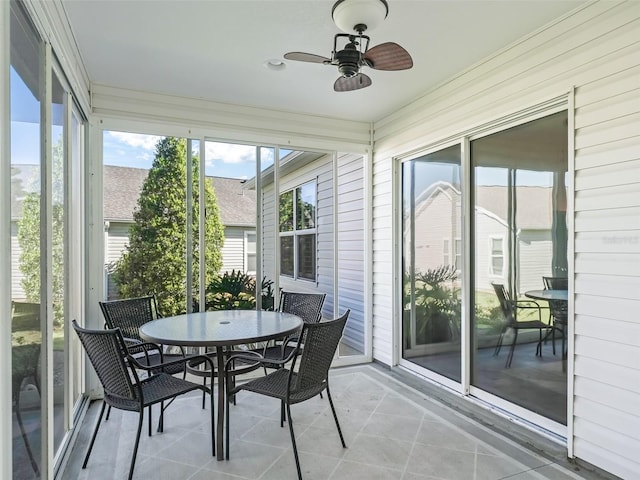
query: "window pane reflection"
432, 230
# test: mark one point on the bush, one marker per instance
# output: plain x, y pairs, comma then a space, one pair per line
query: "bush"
236, 290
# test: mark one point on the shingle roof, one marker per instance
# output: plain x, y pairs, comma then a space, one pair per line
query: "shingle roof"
122, 186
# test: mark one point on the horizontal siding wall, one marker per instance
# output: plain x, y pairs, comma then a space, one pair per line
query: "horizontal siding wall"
233, 254
17, 292
351, 245
595, 51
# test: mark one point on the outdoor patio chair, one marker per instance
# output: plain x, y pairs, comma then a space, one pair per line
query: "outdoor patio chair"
557, 309
25, 359
294, 385
509, 309
308, 306
123, 389
129, 315
24, 365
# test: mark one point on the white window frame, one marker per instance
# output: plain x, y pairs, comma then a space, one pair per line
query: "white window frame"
492, 272
247, 253
295, 233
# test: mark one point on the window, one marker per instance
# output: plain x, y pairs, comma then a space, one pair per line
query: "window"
250, 252
497, 256
298, 232
446, 254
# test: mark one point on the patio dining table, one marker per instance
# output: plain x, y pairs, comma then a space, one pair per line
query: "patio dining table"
220, 329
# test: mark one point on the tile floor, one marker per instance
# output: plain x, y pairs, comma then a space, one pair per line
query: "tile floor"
392, 431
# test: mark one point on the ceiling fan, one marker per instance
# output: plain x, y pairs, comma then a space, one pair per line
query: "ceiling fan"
355, 17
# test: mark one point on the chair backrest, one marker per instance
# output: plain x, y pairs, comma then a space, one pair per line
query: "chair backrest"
308, 306
320, 343
130, 314
106, 352
505, 303
559, 309
555, 283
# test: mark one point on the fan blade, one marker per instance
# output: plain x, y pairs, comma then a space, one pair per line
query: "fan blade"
388, 56
306, 57
346, 84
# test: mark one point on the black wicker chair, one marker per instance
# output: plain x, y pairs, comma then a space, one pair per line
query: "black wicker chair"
25, 361
24, 364
129, 315
557, 309
509, 308
307, 306
123, 389
291, 385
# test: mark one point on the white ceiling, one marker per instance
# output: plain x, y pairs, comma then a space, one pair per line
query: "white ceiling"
216, 50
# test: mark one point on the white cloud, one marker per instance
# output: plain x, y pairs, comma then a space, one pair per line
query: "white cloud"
229, 153
137, 140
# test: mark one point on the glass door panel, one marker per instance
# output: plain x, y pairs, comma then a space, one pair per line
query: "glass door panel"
520, 235
432, 232
59, 226
233, 283
26, 250
145, 214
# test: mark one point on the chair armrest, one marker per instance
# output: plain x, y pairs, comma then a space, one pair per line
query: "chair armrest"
162, 364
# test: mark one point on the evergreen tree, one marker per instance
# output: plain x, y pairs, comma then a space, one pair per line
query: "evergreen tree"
155, 261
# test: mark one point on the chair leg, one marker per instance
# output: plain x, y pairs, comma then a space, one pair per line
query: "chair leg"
293, 440
150, 415
135, 448
108, 413
512, 349
161, 421
204, 384
213, 424
93, 437
499, 344
282, 414
226, 418
553, 337
25, 439
335, 417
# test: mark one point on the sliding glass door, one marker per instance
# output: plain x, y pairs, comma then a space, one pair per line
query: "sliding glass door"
520, 236
515, 236
431, 261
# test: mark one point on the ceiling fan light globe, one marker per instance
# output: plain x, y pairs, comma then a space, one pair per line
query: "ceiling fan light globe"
359, 15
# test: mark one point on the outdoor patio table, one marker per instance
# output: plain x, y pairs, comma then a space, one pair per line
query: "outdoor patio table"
220, 329
548, 295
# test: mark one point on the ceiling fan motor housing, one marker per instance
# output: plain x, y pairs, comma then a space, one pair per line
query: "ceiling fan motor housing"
348, 61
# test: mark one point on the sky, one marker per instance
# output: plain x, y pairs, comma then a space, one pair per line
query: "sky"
221, 159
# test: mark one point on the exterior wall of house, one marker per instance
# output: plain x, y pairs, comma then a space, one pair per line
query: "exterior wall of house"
594, 52
17, 292
321, 172
350, 237
233, 251
351, 210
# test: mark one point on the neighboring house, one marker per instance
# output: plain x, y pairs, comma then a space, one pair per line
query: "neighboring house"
534, 239
122, 187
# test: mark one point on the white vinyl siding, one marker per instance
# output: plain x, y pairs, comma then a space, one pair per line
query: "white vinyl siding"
233, 251
116, 241
351, 245
350, 236
596, 51
17, 292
